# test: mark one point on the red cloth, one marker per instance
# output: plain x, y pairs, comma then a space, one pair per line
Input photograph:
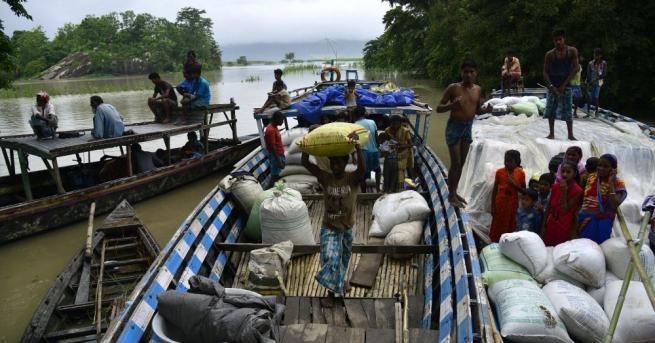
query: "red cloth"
273, 140
506, 202
558, 222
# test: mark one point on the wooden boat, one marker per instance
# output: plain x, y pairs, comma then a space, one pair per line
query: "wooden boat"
436, 295
59, 196
90, 292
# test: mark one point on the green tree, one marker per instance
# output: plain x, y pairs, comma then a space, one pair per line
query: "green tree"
31, 49
7, 63
242, 61
290, 56
194, 32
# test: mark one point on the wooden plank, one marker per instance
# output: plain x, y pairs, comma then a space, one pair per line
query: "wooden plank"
369, 308
423, 336
356, 313
345, 335
357, 335
339, 313
384, 313
291, 311
379, 336
415, 311
366, 271
57, 176
22, 160
317, 313
304, 310
294, 333
357, 248
315, 333
328, 313
398, 322
82, 294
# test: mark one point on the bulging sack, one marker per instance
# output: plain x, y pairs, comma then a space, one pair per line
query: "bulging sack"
267, 267
497, 267
284, 217
583, 317
333, 139
525, 248
245, 189
405, 234
294, 170
289, 135
253, 227
390, 210
599, 293
637, 320
617, 257
551, 274
582, 259
528, 108
525, 314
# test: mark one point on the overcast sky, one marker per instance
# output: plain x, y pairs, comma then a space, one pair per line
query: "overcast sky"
235, 21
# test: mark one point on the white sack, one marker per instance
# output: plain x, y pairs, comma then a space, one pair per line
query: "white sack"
637, 320
525, 248
284, 217
294, 170
551, 274
599, 293
405, 234
296, 159
390, 210
582, 259
244, 189
290, 135
617, 258
583, 317
525, 314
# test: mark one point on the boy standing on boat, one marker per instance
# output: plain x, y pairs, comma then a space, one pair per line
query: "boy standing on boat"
596, 72
340, 190
274, 145
462, 99
560, 66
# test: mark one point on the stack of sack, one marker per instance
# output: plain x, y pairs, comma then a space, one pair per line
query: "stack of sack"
565, 293
294, 174
398, 218
243, 187
528, 105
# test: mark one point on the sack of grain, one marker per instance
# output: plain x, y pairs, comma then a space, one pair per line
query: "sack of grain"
551, 274
245, 189
290, 135
253, 226
294, 170
284, 217
525, 248
637, 320
295, 159
525, 314
390, 210
405, 234
267, 266
334, 139
617, 258
599, 293
528, 108
582, 259
497, 267
584, 319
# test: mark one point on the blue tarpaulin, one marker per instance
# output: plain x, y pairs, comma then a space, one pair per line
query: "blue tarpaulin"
310, 107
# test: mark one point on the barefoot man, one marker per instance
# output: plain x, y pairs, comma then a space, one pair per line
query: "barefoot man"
560, 66
462, 99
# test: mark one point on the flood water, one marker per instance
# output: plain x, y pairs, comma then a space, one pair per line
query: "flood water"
29, 266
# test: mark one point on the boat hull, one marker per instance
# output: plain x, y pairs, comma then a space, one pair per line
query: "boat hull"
32, 217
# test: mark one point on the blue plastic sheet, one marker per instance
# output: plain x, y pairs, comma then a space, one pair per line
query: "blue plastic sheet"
310, 107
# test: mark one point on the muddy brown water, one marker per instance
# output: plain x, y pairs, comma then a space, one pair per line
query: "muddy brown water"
29, 266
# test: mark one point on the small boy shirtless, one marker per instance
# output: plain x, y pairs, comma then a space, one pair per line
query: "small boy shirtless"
462, 99
340, 193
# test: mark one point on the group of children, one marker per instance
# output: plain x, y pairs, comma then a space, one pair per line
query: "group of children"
574, 200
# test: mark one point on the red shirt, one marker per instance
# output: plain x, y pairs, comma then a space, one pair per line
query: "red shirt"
273, 140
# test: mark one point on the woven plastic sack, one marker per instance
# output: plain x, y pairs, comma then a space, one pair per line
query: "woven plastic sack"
333, 139
617, 257
284, 217
497, 267
525, 248
637, 319
390, 210
528, 108
551, 274
253, 226
405, 234
582, 259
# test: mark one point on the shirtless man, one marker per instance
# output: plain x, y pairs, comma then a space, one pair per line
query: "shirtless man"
560, 66
462, 99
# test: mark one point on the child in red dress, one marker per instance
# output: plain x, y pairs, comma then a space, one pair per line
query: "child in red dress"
564, 204
505, 197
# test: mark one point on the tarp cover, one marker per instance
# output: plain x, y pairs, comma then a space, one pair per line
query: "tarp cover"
310, 107
493, 136
207, 314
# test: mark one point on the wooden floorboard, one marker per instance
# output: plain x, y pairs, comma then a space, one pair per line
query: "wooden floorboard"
339, 313
294, 333
356, 315
369, 308
304, 310
291, 311
384, 313
423, 336
380, 335
317, 312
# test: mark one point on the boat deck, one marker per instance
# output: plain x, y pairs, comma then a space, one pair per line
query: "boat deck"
392, 278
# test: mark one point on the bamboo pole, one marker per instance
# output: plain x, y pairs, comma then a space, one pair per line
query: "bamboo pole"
99, 290
89, 231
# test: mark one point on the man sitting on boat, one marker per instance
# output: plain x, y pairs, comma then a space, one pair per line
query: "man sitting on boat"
43, 120
144, 161
511, 70
278, 96
196, 97
163, 100
193, 148
107, 121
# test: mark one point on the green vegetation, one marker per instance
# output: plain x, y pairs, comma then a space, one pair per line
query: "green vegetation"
252, 78
7, 62
298, 68
116, 37
242, 60
429, 38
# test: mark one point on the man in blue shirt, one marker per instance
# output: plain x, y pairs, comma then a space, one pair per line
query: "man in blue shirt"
370, 150
197, 97
107, 121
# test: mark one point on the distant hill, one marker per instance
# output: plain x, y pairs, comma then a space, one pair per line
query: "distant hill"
304, 51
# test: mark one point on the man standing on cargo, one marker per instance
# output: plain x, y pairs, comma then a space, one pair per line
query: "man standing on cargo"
560, 66
274, 146
462, 99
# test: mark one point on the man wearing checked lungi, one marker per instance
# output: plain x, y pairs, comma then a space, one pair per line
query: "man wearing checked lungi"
340, 190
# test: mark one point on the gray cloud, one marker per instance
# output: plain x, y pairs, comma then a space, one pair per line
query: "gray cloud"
235, 21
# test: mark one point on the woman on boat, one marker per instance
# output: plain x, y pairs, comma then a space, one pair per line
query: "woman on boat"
564, 203
401, 148
505, 197
43, 120
603, 194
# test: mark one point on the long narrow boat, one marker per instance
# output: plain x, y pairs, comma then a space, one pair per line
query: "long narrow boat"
90, 292
445, 302
59, 196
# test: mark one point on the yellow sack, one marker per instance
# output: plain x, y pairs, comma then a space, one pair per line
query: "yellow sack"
333, 139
